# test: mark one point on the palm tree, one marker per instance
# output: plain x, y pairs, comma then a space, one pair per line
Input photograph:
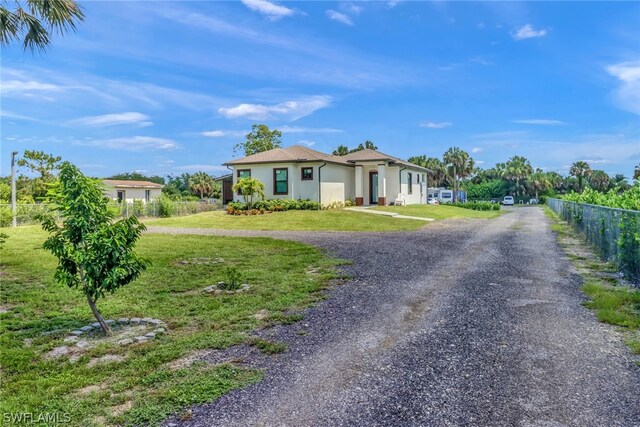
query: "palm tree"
599, 180
461, 165
517, 169
36, 23
342, 150
539, 182
580, 170
201, 182
636, 172
619, 183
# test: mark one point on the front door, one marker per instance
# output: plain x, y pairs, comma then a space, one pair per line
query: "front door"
373, 188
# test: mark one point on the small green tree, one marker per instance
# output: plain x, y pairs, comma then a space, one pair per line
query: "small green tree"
201, 183
95, 253
249, 187
260, 139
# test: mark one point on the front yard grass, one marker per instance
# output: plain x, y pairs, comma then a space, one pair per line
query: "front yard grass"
613, 304
439, 212
329, 220
144, 387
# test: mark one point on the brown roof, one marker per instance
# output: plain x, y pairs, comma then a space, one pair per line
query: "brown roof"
368, 155
130, 184
295, 153
298, 153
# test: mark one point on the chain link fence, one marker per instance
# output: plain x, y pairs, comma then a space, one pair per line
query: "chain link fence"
614, 232
27, 214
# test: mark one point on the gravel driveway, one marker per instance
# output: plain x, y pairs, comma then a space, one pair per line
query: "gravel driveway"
470, 323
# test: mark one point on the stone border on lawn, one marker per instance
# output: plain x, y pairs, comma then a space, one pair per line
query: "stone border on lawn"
161, 327
218, 289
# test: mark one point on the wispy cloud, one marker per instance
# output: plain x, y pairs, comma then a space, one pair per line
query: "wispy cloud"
334, 15
435, 125
298, 129
307, 142
272, 10
133, 143
223, 133
352, 8
542, 122
393, 3
627, 96
10, 115
476, 150
527, 32
289, 110
128, 118
22, 86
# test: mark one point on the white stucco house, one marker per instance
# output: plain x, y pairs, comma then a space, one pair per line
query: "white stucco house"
129, 191
368, 177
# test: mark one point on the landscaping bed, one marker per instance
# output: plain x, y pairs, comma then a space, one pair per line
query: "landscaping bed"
116, 382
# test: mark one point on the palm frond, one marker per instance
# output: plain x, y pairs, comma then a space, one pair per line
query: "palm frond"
37, 37
61, 15
9, 26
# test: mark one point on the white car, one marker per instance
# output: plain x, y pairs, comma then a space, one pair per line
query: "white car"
507, 201
432, 201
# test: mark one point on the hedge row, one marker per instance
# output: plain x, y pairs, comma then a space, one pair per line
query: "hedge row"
477, 206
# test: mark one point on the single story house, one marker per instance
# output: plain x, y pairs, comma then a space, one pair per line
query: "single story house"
129, 191
368, 177
226, 182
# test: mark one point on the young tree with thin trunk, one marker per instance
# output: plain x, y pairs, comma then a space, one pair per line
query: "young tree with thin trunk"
95, 253
249, 187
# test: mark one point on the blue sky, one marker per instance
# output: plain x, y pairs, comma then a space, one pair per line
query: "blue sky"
170, 87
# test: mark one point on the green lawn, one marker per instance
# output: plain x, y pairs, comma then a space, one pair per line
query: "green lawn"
438, 212
143, 388
334, 220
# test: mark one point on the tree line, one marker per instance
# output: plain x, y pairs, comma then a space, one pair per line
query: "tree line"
515, 177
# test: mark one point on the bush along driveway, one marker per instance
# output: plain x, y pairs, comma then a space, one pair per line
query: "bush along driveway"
449, 325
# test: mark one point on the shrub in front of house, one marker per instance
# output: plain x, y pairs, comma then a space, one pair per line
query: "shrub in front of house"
273, 205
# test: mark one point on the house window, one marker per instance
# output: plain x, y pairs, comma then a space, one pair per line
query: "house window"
280, 181
121, 196
409, 183
243, 173
147, 195
307, 174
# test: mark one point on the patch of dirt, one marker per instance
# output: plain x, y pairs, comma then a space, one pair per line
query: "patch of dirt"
189, 359
121, 409
93, 388
261, 315
107, 358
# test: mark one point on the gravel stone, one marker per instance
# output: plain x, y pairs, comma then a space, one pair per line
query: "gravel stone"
86, 328
146, 320
123, 320
77, 333
140, 339
464, 322
150, 335
82, 344
96, 325
126, 341
71, 338
109, 321
135, 320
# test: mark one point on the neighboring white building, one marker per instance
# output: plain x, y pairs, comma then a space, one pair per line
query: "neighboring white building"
129, 191
368, 177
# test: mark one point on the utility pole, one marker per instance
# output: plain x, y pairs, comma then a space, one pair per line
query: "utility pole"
14, 222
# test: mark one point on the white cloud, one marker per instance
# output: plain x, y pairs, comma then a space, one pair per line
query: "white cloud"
627, 96
289, 110
11, 115
393, 3
307, 142
214, 133
435, 125
297, 129
351, 8
272, 10
134, 143
543, 122
476, 150
131, 117
527, 32
21, 86
338, 17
